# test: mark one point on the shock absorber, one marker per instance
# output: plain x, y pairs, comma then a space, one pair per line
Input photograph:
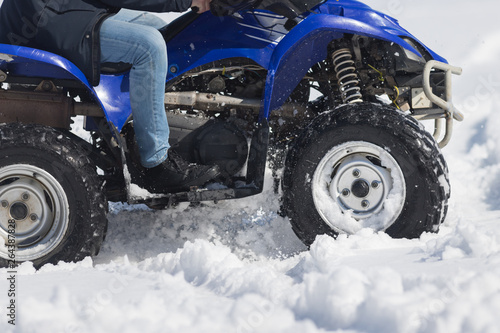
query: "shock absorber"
347, 76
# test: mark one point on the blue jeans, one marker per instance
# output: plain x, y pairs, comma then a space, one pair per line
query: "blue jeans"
132, 37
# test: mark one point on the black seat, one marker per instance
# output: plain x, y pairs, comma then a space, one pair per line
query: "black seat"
115, 67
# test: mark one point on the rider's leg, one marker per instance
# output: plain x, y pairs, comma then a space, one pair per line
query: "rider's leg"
144, 47
139, 17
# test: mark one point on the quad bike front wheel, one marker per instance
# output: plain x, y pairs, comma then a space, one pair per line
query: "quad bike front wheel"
51, 204
365, 166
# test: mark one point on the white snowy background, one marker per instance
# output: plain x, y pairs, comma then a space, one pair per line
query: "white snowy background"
237, 266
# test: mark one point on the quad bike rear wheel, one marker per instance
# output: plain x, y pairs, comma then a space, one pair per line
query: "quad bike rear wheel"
51, 204
365, 166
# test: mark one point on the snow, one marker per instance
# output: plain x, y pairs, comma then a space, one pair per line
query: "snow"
238, 267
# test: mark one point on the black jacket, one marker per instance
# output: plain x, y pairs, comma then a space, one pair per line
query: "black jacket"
70, 28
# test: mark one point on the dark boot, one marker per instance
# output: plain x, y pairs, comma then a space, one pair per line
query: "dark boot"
176, 174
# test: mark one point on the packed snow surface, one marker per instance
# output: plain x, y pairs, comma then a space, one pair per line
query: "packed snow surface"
238, 267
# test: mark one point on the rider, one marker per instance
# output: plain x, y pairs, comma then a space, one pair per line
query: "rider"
91, 32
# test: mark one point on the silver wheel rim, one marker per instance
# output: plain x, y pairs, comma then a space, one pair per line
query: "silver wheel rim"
37, 204
358, 185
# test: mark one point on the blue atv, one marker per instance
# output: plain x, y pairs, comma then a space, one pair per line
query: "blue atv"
329, 94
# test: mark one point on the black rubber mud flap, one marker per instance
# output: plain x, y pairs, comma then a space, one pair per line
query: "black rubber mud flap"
258, 155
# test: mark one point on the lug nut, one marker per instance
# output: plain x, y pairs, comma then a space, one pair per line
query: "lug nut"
5, 204
356, 173
365, 203
33, 217
346, 192
25, 196
375, 184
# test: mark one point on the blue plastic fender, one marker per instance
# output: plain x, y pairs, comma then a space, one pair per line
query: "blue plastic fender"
307, 44
30, 62
112, 94
360, 12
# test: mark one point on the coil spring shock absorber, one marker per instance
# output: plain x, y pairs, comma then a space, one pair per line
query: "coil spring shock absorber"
347, 76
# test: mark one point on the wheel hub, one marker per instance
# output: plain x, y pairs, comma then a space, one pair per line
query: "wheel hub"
26, 204
360, 188
19, 211
351, 185
35, 201
366, 183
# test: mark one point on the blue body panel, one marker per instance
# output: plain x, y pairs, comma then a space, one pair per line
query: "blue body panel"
113, 93
259, 36
35, 63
